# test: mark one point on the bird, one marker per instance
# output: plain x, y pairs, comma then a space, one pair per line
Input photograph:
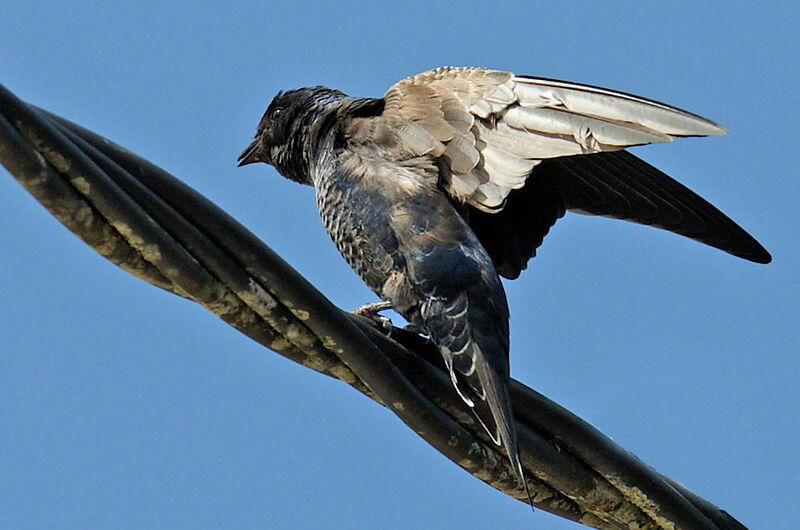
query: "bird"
453, 178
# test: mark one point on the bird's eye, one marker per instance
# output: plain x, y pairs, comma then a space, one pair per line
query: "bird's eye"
274, 113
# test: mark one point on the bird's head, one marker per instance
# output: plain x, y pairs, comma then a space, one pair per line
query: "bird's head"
286, 133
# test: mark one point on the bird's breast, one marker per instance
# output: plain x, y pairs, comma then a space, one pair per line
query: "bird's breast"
403, 237
357, 218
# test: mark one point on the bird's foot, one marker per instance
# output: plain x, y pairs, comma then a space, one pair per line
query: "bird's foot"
371, 311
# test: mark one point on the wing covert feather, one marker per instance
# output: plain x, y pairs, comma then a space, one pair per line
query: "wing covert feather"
516, 121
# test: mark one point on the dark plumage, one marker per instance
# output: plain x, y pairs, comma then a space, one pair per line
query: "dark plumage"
456, 175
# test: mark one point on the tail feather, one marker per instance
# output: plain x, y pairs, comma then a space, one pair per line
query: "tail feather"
471, 331
486, 392
499, 402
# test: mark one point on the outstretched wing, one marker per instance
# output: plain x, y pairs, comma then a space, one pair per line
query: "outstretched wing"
494, 132
615, 184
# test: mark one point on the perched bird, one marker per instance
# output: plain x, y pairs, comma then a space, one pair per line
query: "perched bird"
454, 177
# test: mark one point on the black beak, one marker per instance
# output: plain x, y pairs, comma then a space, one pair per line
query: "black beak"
250, 154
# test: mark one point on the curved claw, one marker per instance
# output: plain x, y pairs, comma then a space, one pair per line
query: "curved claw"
371, 311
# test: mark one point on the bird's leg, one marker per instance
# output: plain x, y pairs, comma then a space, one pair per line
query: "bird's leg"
371, 311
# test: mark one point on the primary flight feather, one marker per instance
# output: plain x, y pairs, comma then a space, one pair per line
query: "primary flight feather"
454, 177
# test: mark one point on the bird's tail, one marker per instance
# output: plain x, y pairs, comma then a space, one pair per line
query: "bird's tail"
487, 394
471, 330
498, 399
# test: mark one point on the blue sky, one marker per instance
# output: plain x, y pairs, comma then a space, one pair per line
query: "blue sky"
122, 406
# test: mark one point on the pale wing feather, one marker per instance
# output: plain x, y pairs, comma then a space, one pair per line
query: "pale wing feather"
592, 134
506, 138
418, 139
494, 127
489, 197
610, 105
461, 154
505, 170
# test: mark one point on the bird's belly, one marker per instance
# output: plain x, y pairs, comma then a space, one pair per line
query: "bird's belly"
358, 222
